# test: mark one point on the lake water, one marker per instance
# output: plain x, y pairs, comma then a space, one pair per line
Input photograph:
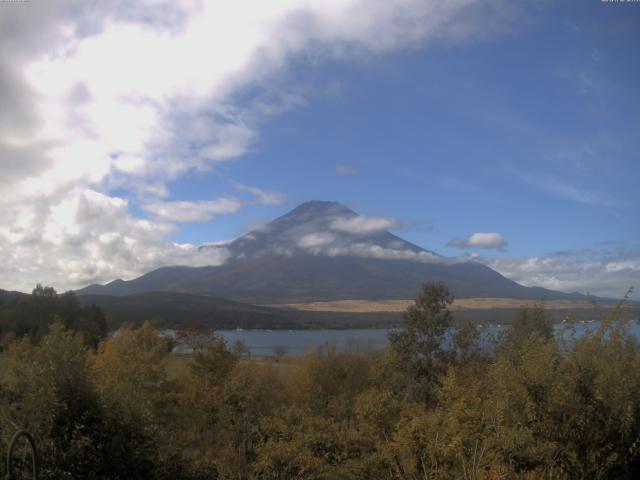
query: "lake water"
297, 342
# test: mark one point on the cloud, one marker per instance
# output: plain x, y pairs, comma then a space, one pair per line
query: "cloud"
480, 240
346, 169
368, 250
199, 211
326, 244
580, 195
606, 269
362, 224
608, 275
131, 95
562, 188
315, 240
263, 197
85, 88
84, 237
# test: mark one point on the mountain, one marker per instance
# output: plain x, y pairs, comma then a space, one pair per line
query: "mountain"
6, 295
324, 251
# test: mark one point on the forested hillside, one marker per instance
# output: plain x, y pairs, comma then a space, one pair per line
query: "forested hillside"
532, 408
30, 316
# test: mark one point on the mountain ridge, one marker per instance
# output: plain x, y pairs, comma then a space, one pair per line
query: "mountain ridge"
323, 251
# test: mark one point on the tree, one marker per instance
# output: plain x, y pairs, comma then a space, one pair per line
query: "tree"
44, 292
465, 340
212, 362
418, 344
241, 349
32, 315
529, 323
50, 392
250, 393
195, 335
131, 375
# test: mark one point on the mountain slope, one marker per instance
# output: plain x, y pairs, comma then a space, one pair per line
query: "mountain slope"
324, 251
171, 310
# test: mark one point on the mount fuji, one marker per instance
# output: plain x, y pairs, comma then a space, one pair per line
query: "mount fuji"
323, 251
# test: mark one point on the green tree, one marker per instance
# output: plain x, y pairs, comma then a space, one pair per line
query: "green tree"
32, 315
465, 339
528, 324
418, 345
44, 292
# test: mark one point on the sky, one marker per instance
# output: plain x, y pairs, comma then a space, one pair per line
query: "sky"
131, 132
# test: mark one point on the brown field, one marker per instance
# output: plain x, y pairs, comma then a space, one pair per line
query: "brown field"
366, 306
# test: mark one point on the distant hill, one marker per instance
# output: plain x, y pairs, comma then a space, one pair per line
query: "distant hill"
6, 295
171, 310
322, 251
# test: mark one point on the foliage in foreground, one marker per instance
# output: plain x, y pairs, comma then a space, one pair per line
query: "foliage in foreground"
433, 406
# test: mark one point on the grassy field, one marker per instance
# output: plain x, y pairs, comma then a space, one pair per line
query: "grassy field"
369, 306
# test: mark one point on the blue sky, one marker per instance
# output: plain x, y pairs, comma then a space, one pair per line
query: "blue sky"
533, 134
520, 120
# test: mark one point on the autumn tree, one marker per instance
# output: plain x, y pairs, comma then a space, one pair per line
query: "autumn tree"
212, 362
131, 377
50, 392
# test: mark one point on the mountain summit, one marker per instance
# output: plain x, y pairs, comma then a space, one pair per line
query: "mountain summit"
322, 251
325, 229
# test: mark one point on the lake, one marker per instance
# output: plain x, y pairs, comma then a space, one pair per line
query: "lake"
297, 342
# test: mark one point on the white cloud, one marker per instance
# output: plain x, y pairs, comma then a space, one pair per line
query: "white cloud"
85, 237
315, 240
198, 211
368, 250
263, 197
607, 276
362, 224
480, 240
122, 93
346, 169
133, 94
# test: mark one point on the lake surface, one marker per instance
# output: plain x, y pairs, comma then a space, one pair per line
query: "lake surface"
297, 342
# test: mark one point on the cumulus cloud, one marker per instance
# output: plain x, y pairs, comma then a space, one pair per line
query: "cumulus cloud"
607, 275
198, 211
85, 237
362, 224
101, 97
481, 240
121, 82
